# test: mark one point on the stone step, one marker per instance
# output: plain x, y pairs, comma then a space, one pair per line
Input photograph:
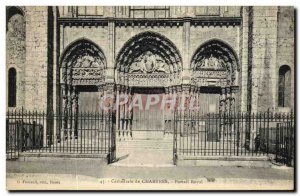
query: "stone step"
145, 144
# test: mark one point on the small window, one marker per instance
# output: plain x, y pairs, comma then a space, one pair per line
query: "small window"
284, 86
12, 87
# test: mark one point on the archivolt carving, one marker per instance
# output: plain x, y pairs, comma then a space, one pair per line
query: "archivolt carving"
83, 53
157, 52
83, 63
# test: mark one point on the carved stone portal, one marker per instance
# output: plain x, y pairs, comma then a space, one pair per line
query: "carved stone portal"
83, 63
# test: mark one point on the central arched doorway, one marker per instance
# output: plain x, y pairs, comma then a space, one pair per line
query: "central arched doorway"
148, 65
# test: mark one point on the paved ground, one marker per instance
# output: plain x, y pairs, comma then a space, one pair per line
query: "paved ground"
95, 174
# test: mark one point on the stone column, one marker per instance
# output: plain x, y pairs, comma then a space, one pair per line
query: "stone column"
227, 100
234, 91
166, 111
125, 121
69, 111
186, 95
63, 110
121, 115
110, 74
69, 102
74, 110
100, 89
193, 99
222, 111
222, 100
186, 50
197, 91
105, 112
118, 108
172, 111
109, 90
244, 58
64, 102
129, 115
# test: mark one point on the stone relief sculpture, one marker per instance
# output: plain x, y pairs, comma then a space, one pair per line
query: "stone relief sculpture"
214, 60
88, 61
149, 63
211, 62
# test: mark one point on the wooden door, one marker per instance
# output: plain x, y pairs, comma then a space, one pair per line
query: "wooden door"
209, 100
148, 120
89, 102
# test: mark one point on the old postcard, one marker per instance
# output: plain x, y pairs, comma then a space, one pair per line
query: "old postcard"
150, 97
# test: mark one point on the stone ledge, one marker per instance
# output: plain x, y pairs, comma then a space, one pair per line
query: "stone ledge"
238, 161
30, 156
225, 158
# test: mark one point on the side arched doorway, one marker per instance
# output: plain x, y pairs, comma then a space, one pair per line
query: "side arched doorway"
215, 74
82, 81
215, 69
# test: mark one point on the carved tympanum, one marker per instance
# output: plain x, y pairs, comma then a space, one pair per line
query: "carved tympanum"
149, 52
83, 63
211, 62
215, 56
89, 61
149, 63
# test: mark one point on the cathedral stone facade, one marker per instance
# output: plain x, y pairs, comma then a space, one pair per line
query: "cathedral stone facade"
240, 58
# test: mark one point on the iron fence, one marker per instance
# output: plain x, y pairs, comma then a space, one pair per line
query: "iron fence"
38, 132
234, 134
195, 134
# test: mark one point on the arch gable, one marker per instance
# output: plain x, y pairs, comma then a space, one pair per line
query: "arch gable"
83, 63
215, 61
149, 59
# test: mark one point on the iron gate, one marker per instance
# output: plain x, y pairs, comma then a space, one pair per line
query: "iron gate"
234, 134
39, 132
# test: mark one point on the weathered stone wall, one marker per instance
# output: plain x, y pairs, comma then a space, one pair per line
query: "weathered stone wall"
36, 58
15, 50
200, 35
272, 46
174, 34
286, 46
138, 11
97, 35
243, 59
264, 79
